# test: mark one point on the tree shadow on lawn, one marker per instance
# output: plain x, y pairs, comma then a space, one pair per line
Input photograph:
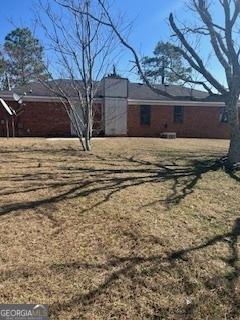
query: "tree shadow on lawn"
128, 268
108, 176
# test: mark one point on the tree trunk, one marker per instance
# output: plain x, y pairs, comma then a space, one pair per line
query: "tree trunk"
234, 149
233, 118
89, 125
87, 135
88, 145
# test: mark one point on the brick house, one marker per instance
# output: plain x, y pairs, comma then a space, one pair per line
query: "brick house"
121, 108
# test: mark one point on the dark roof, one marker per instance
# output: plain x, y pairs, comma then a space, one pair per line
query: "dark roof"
51, 88
143, 92
136, 90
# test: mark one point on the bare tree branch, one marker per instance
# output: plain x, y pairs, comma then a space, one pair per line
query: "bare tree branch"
82, 48
198, 65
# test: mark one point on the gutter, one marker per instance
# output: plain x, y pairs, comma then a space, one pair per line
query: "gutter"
161, 103
130, 101
40, 98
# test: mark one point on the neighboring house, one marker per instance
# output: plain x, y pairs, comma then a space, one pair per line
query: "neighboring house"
121, 108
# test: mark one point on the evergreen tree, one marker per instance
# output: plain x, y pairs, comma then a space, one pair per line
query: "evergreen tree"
3, 77
166, 65
23, 57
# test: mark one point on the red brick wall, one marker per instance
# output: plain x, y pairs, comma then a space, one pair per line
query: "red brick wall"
50, 119
41, 119
199, 122
3, 128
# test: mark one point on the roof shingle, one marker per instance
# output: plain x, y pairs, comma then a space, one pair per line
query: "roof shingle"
136, 91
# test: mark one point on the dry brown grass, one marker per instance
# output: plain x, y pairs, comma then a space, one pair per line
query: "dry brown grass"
137, 229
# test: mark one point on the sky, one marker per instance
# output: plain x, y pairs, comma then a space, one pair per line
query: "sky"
149, 20
149, 23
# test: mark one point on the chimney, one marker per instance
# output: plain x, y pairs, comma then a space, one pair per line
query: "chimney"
115, 87
115, 105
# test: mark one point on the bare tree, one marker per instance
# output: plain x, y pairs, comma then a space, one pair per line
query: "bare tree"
224, 41
82, 50
225, 45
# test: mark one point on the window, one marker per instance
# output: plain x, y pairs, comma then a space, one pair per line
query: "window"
223, 117
145, 115
178, 114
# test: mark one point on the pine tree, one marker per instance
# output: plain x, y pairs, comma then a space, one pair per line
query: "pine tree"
166, 65
23, 57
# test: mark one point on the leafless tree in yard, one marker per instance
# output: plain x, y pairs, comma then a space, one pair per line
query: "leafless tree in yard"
82, 49
224, 43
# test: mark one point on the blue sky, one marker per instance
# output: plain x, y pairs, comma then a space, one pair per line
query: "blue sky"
149, 22
149, 18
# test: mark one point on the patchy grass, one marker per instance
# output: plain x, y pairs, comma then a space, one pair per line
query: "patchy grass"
137, 229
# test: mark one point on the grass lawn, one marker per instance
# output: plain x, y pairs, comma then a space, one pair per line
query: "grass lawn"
136, 229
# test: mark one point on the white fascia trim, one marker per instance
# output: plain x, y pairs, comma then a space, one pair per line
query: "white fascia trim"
31, 98
130, 101
41, 98
175, 102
